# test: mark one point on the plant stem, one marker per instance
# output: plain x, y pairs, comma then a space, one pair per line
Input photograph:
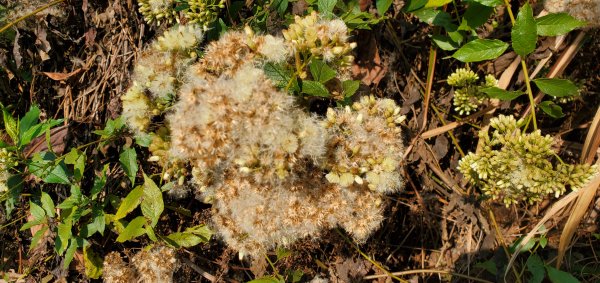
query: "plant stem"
4, 28
525, 70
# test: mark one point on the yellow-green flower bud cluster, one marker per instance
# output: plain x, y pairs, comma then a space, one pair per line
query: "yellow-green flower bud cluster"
203, 12
515, 166
467, 94
200, 12
157, 11
6, 162
172, 168
324, 39
366, 147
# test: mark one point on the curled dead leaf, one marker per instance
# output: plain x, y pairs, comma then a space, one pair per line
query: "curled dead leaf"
61, 76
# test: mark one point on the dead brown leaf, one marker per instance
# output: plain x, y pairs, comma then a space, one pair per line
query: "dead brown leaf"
61, 76
369, 67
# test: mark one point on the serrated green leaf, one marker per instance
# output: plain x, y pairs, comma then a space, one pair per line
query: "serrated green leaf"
15, 186
552, 109
76, 158
524, 32
277, 73
413, 5
557, 24
480, 50
47, 204
489, 3
134, 229
36, 131
557, 87
30, 119
350, 87
33, 223
36, 211
267, 279
112, 128
383, 6
444, 42
10, 125
436, 17
128, 160
558, 276
535, 266
150, 233
98, 223
99, 183
326, 7
43, 165
92, 263
73, 245
152, 201
320, 71
475, 16
64, 234
498, 93
131, 201
315, 89
436, 3
184, 239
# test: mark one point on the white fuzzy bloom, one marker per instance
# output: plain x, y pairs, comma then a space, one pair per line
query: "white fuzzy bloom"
183, 37
274, 49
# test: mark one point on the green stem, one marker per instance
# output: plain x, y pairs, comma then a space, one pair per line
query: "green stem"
525, 70
4, 28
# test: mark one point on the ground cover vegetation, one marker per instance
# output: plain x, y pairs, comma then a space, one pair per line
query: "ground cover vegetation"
299, 141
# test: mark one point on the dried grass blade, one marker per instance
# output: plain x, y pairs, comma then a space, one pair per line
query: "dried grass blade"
592, 141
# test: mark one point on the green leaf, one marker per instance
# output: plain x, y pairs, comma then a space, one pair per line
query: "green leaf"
112, 128
558, 276
280, 6
98, 223
436, 17
15, 186
43, 165
552, 109
314, 88
498, 93
47, 204
10, 125
320, 71
99, 182
543, 241
134, 229
436, 3
36, 211
480, 50
475, 16
30, 119
557, 24
489, 266
383, 6
350, 87
128, 159
444, 42
152, 201
64, 234
535, 266
92, 263
76, 158
489, 3
557, 87
131, 201
524, 32
267, 279
280, 76
413, 5
190, 237
326, 7
36, 131
150, 233
70, 253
